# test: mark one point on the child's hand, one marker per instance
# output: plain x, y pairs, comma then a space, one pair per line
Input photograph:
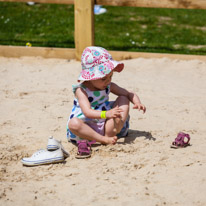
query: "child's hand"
114, 112
139, 106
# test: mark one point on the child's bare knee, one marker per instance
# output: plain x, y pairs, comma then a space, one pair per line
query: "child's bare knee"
74, 124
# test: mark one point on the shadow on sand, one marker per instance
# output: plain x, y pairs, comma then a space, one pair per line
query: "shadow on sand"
133, 134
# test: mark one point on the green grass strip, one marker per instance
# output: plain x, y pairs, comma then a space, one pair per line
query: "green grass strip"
120, 28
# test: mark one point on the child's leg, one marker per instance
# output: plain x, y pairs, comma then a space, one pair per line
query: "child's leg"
81, 129
113, 126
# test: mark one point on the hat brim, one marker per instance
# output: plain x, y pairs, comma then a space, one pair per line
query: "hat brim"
111, 65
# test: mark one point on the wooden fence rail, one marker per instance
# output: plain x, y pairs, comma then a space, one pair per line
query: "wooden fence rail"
185, 4
84, 28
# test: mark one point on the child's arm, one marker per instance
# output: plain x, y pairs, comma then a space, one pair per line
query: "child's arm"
119, 91
91, 113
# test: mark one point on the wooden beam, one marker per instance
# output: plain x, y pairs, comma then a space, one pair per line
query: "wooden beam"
185, 4
19, 51
84, 25
44, 1
121, 55
64, 53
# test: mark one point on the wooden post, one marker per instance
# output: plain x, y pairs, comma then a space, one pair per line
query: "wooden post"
84, 25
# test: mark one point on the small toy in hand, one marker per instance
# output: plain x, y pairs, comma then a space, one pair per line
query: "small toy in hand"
182, 140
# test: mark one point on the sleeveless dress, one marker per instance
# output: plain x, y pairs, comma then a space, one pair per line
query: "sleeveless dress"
99, 100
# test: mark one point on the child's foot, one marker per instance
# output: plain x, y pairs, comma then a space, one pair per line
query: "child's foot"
109, 140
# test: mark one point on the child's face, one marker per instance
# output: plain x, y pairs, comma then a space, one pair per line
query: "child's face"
102, 84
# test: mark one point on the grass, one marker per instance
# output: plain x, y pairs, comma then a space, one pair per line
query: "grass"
121, 28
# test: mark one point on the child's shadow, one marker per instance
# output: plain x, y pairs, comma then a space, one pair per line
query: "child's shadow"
133, 134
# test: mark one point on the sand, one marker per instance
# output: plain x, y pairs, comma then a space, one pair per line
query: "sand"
36, 100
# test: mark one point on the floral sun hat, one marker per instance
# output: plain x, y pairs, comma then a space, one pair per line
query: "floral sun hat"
97, 63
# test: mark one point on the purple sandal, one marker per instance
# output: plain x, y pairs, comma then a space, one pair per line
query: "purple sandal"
182, 140
84, 149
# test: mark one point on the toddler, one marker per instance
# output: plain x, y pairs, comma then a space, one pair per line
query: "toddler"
93, 116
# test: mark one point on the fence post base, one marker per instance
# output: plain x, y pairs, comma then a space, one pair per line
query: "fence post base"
84, 25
